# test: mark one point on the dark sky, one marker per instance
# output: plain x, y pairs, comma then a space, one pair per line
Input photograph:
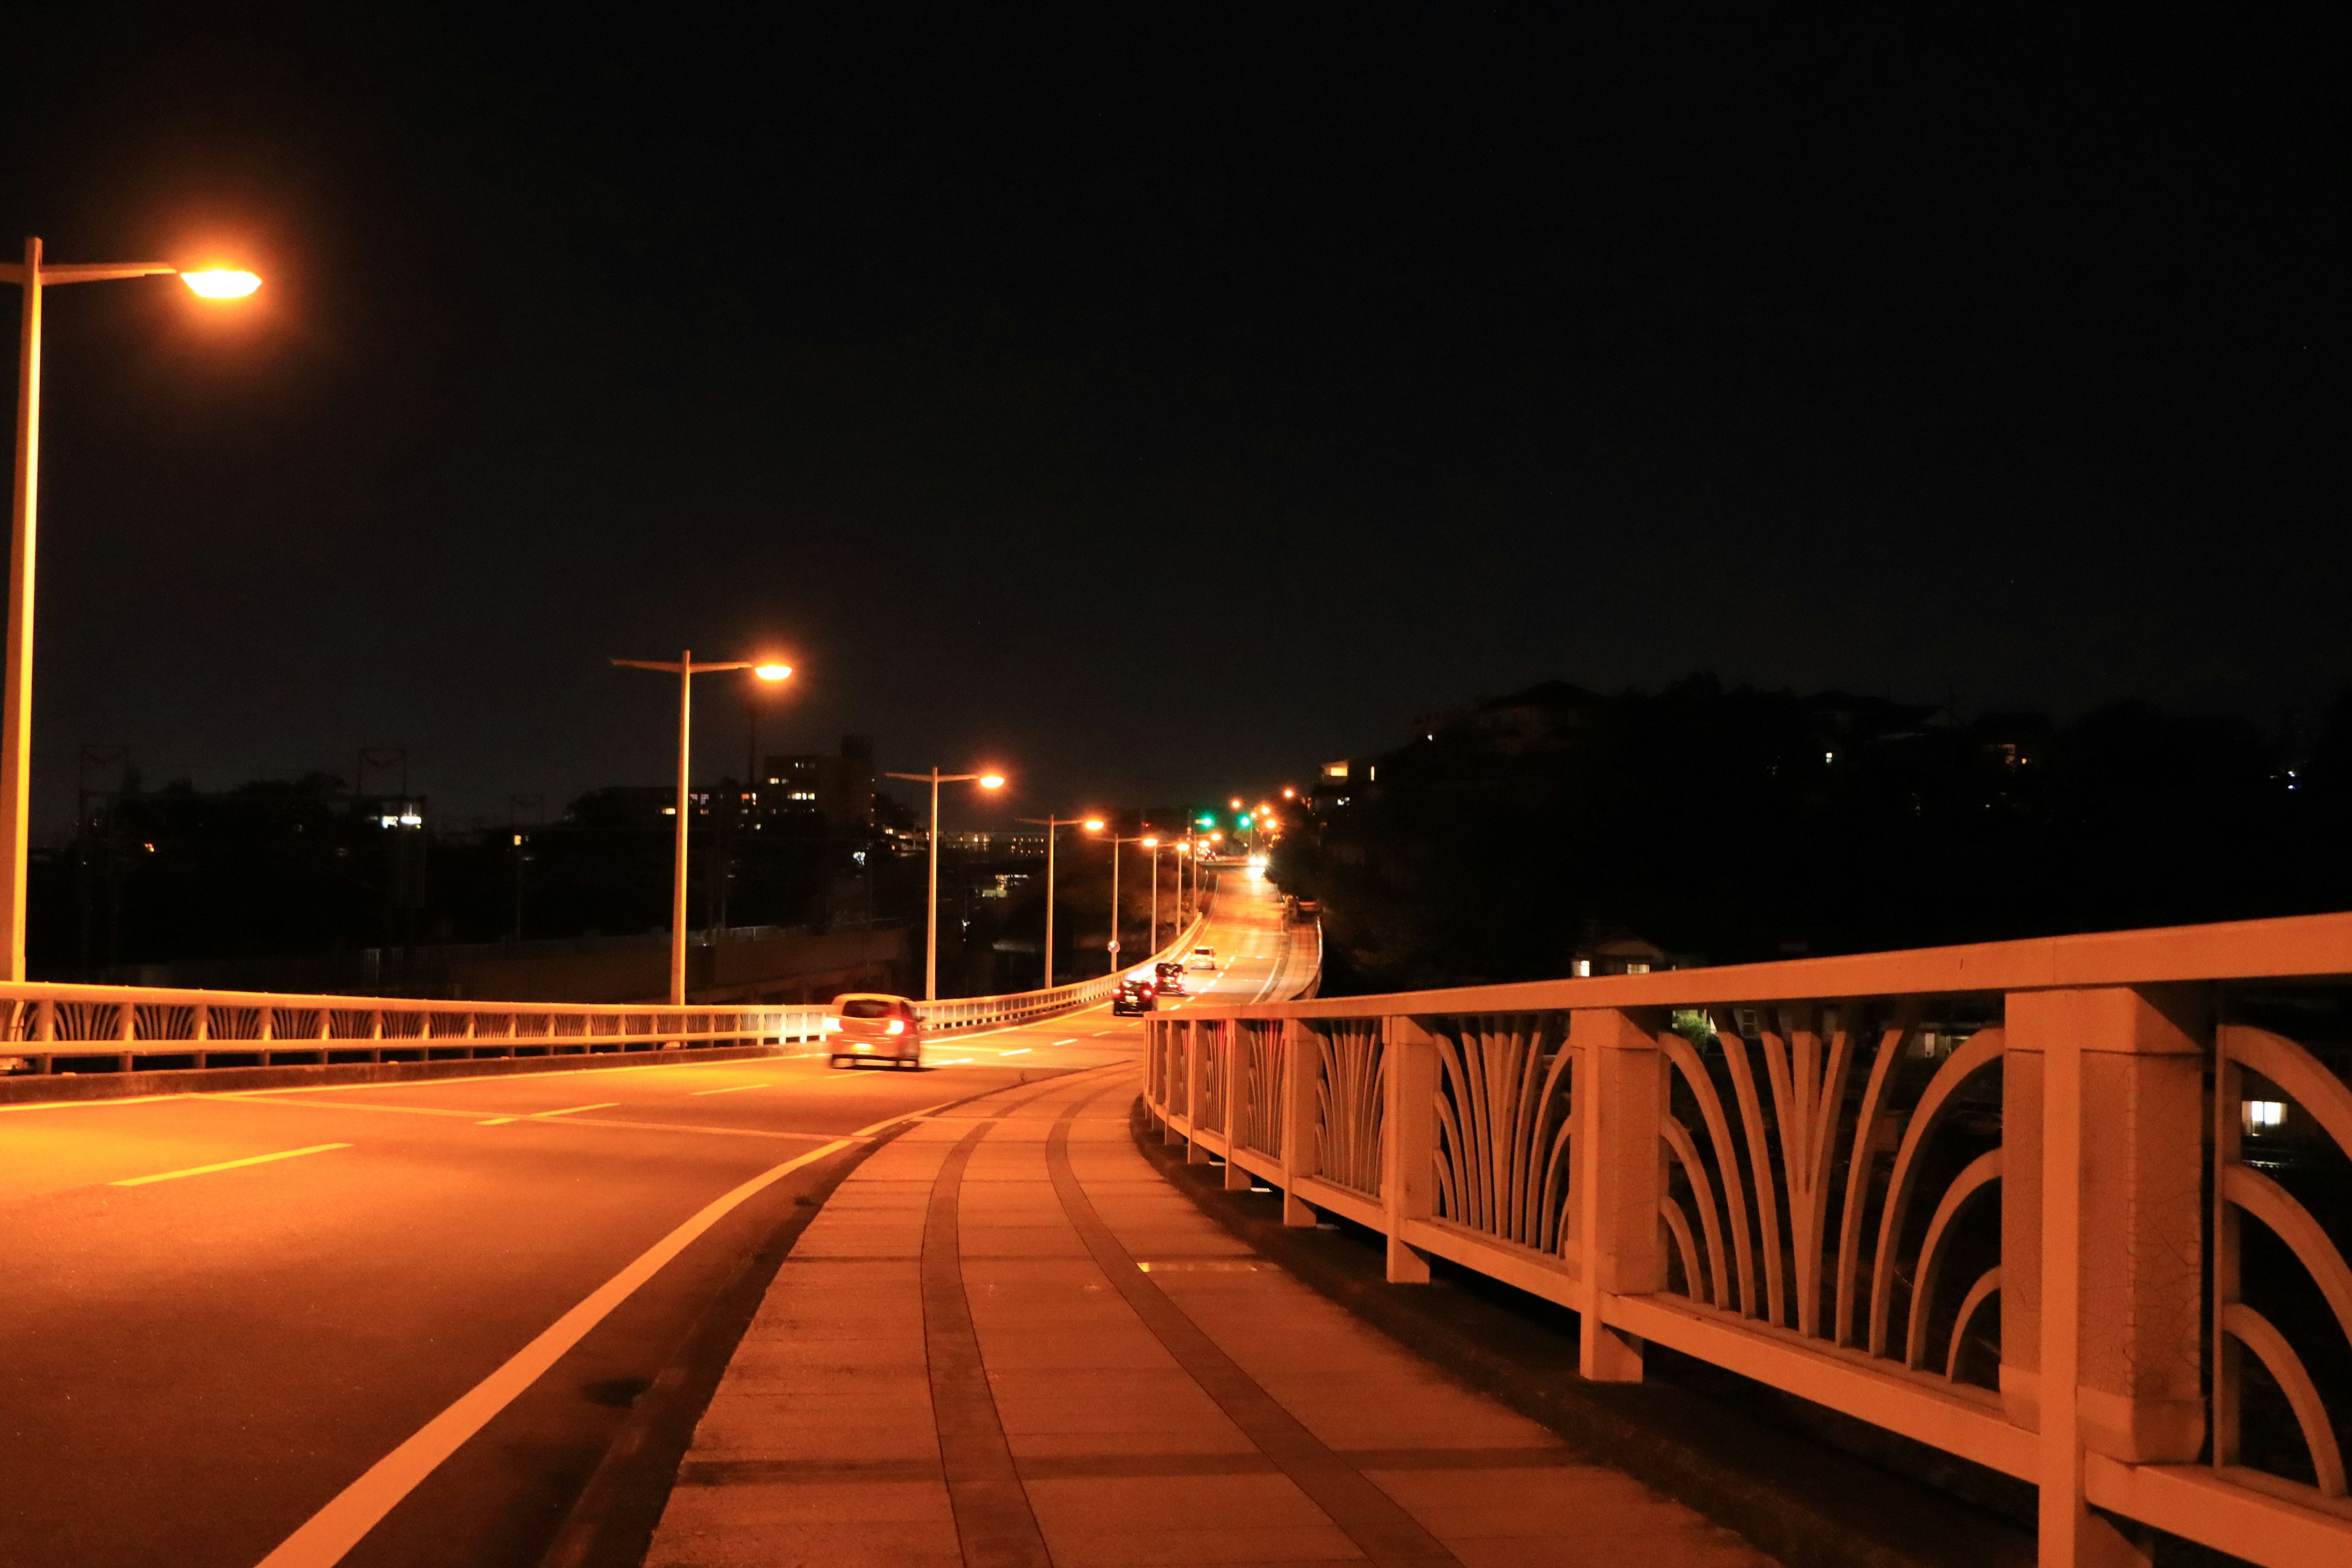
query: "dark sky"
1153, 400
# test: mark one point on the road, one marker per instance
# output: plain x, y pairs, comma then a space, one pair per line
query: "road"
219, 1311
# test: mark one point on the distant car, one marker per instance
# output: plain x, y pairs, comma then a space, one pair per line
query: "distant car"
1134, 997
863, 1026
1171, 978
1203, 958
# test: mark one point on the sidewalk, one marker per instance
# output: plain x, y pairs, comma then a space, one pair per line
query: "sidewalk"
1007, 1341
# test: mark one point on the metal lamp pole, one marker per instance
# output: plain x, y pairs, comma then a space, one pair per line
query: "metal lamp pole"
33, 275
686, 669
1149, 842
932, 941
1050, 823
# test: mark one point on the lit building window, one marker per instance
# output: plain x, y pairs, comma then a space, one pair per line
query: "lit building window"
2265, 1115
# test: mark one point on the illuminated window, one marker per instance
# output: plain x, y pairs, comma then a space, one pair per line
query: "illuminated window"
2265, 1115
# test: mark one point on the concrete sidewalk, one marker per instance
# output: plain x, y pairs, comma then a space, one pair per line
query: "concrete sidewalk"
1007, 1341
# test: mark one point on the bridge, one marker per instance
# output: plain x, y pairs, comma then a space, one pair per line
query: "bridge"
2031, 1250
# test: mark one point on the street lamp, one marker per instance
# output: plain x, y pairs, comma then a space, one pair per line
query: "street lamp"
932, 942
1149, 842
33, 275
686, 669
1050, 822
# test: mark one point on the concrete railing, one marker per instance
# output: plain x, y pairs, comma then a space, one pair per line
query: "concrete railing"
1020, 1006
2072, 1209
59, 1028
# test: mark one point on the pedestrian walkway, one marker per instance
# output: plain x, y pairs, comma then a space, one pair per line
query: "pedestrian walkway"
1007, 1341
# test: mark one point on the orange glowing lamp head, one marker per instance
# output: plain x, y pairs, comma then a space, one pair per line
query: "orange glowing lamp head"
1151, 844
773, 672
1093, 825
220, 283
992, 781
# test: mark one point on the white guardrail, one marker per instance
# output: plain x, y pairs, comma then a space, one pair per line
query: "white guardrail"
2073, 1209
57, 1029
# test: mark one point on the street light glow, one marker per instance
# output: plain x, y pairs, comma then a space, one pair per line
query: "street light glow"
992, 781
774, 671
1237, 803
218, 283
1149, 843
1093, 825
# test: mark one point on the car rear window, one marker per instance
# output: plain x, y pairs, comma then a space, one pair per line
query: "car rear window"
868, 1007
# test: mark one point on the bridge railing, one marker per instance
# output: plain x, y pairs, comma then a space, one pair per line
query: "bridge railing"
49, 1028
2078, 1210
1020, 1006
62, 1028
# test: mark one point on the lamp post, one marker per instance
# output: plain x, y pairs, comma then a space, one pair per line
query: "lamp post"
1149, 842
1050, 822
686, 669
33, 275
931, 942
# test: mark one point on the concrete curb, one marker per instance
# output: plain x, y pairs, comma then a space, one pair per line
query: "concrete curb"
65, 1087
1804, 1502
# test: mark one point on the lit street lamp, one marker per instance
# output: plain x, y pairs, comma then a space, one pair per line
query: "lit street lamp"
33, 276
931, 944
1050, 822
686, 669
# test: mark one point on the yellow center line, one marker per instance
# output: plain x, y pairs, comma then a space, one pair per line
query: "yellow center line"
227, 1165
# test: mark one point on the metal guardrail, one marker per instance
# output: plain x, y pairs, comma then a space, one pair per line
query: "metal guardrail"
61, 1028
2020, 1201
1019, 1007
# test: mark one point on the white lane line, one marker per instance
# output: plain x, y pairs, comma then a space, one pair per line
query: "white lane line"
1024, 1051
334, 1530
732, 1089
1071, 1041
92, 1104
543, 1115
227, 1165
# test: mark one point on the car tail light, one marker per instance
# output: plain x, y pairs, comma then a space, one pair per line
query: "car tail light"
898, 1027
833, 1026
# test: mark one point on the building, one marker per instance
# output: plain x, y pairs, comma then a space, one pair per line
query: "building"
839, 790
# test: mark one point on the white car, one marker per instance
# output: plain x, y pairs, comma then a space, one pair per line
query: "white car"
864, 1026
1203, 958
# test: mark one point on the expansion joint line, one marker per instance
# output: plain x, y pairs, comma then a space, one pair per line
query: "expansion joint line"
1381, 1529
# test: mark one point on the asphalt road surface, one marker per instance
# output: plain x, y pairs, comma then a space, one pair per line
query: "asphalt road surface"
220, 1312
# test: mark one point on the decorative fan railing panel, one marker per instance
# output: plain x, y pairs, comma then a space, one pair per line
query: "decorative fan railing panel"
1833, 1169
2076, 1210
1349, 1104
2281, 1312
1504, 1128
1260, 1058
1213, 1041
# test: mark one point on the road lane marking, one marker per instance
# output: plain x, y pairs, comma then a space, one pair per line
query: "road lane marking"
731, 1089
1024, 1051
543, 1115
90, 1104
916, 1115
334, 1530
1071, 1041
227, 1165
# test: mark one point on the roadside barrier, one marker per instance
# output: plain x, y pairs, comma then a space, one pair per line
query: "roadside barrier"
2074, 1209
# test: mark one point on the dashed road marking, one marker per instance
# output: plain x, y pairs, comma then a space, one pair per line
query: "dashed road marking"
227, 1165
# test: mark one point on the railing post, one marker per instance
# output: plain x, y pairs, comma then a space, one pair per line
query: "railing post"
2121, 1171
1617, 1093
1180, 1068
1238, 1083
1201, 1063
1299, 1154
1409, 1141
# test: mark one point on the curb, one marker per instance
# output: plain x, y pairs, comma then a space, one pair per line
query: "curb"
1802, 1502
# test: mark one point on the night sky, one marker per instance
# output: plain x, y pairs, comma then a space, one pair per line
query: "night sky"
1155, 400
